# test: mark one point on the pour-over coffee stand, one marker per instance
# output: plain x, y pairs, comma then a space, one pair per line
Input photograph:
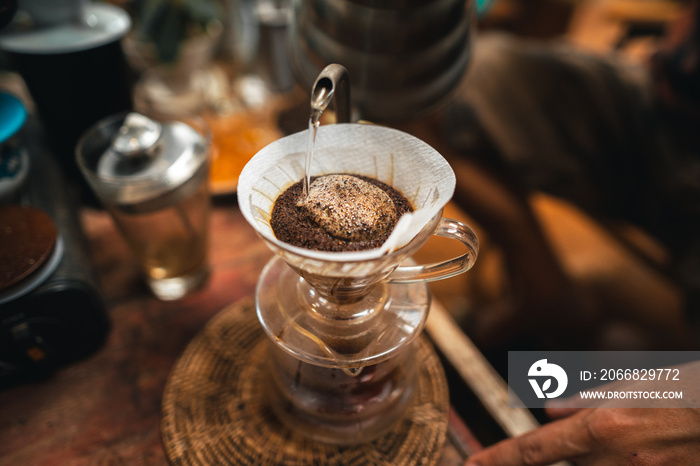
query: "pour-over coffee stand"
344, 363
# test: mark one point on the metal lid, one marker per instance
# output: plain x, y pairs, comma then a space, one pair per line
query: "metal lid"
147, 159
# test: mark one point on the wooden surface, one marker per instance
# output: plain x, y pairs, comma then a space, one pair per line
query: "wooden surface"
106, 409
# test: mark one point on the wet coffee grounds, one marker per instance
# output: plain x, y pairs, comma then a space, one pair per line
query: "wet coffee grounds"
291, 225
348, 208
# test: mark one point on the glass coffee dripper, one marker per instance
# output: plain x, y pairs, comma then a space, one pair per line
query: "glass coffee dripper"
343, 325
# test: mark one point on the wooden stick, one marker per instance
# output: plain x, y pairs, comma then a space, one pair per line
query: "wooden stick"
477, 372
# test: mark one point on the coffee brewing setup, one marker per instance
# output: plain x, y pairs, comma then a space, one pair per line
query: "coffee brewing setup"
343, 326
343, 353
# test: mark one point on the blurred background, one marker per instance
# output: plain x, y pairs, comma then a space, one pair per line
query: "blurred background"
227, 61
570, 125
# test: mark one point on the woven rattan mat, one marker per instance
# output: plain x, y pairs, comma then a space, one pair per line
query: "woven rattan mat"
214, 409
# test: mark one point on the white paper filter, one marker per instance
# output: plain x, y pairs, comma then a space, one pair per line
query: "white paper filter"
403, 161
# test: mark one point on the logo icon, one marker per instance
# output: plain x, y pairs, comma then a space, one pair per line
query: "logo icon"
547, 371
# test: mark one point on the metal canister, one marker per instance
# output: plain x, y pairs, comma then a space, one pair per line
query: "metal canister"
405, 57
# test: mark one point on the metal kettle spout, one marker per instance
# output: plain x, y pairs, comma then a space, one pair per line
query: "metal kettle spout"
333, 83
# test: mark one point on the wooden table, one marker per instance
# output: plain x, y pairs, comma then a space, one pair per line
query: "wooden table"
106, 409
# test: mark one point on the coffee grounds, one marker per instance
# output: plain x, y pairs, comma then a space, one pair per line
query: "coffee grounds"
290, 224
348, 208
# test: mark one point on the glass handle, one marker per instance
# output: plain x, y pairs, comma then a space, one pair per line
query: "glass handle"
448, 228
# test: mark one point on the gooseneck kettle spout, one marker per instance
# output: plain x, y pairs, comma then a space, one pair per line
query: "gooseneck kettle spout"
333, 83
